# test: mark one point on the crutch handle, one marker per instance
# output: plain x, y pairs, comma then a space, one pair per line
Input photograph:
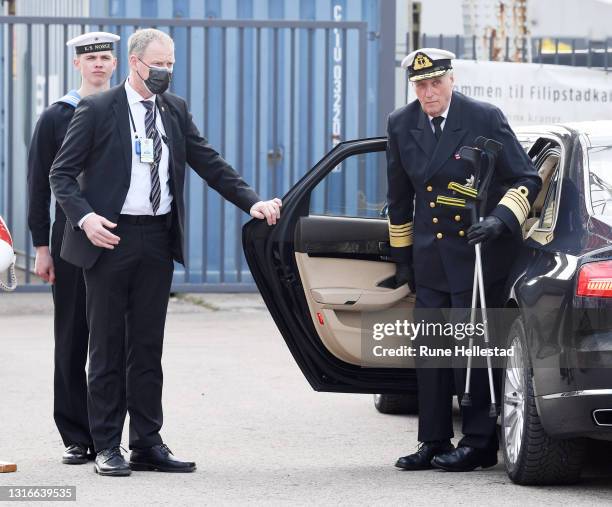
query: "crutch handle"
489, 145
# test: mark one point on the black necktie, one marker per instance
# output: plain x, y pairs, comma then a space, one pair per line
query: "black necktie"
151, 130
437, 123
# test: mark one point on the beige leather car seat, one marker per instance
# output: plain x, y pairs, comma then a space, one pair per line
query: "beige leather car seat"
546, 172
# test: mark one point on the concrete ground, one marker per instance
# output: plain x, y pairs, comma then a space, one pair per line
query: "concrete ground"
237, 404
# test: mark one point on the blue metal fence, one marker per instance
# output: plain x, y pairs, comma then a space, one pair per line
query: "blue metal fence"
272, 96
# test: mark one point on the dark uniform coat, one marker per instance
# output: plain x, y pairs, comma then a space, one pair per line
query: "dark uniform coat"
70, 324
46, 141
432, 235
424, 175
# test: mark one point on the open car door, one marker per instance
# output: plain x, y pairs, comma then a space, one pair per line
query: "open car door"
325, 266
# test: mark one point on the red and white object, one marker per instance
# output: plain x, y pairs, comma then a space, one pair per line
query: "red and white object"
7, 257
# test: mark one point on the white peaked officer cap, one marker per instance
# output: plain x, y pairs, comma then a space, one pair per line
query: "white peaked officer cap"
93, 42
427, 63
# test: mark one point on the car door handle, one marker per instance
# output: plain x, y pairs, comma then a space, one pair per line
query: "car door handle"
359, 300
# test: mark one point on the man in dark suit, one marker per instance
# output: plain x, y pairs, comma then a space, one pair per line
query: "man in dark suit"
96, 62
129, 148
433, 244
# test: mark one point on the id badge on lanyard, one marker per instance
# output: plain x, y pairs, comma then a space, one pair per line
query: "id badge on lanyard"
143, 147
147, 154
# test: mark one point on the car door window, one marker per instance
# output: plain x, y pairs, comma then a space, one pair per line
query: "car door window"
600, 180
357, 187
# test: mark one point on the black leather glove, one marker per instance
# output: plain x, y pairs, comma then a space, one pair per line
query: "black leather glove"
490, 228
404, 273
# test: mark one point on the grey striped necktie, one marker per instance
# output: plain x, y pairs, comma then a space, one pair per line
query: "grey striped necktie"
155, 195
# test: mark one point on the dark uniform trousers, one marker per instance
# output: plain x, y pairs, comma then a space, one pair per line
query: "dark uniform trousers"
436, 385
127, 298
71, 335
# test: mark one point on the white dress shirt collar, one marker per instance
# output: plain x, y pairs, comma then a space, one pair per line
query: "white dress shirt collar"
133, 96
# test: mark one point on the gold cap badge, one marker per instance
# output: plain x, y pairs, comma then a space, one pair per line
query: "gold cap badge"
422, 61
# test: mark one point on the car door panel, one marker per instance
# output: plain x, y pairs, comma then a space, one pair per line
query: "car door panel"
343, 266
319, 274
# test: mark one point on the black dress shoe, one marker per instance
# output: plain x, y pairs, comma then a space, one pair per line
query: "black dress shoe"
75, 454
111, 462
465, 459
160, 458
421, 460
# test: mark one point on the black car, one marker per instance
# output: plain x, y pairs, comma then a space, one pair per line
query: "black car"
325, 266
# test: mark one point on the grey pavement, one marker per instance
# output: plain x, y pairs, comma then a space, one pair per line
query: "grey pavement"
237, 404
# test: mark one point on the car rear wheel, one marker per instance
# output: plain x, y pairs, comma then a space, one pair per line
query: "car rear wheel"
396, 403
530, 455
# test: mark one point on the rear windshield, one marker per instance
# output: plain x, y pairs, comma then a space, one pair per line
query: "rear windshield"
600, 179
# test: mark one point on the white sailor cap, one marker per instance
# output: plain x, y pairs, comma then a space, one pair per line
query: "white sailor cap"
426, 63
93, 42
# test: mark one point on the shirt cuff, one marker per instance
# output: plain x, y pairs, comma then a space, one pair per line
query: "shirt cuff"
84, 218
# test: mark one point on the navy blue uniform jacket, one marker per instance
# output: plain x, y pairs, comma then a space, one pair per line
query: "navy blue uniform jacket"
419, 169
46, 141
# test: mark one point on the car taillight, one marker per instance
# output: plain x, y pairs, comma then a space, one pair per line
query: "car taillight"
595, 280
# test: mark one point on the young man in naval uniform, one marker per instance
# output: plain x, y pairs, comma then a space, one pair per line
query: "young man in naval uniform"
433, 244
96, 62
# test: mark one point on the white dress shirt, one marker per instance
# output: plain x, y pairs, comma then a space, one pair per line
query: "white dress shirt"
444, 115
137, 200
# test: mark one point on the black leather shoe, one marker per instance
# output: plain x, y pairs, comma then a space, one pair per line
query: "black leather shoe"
75, 454
159, 458
421, 460
111, 462
465, 459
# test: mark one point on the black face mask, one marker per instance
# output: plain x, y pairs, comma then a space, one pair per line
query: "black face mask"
158, 80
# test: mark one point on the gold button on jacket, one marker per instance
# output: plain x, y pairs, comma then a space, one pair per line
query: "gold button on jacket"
439, 235
429, 188
457, 218
461, 233
434, 220
432, 204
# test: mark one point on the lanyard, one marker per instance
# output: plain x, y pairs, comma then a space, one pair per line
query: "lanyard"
154, 118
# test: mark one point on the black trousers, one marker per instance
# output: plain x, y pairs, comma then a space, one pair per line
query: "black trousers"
437, 385
71, 337
127, 297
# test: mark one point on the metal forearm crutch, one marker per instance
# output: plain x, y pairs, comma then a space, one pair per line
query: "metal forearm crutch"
487, 149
